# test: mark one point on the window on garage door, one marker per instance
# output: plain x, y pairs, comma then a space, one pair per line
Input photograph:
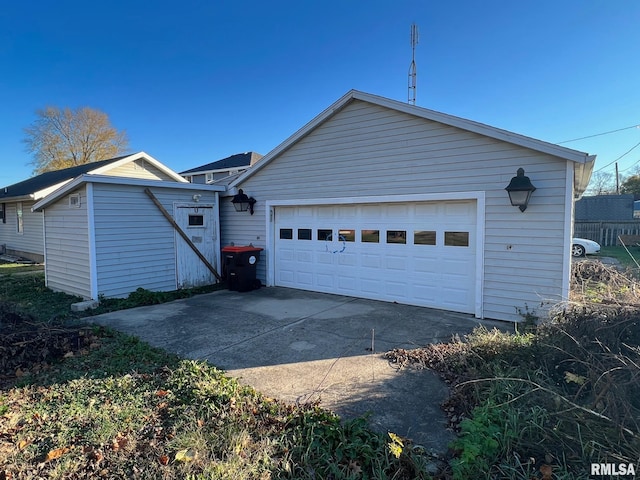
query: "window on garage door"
424, 237
304, 234
370, 236
456, 239
286, 233
347, 235
396, 236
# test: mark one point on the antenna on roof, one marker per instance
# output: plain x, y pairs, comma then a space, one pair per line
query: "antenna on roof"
413, 74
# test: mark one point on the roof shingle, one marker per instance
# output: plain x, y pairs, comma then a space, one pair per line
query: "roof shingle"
234, 161
49, 179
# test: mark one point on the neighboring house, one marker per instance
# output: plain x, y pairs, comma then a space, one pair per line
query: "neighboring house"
21, 230
105, 236
380, 199
605, 208
212, 172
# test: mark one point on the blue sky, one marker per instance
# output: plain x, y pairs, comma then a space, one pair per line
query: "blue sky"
195, 81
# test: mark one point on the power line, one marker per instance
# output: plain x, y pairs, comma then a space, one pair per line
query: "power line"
630, 166
614, 161
599, 134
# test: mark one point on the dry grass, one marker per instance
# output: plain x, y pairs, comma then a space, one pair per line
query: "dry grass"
594, 282
546, 404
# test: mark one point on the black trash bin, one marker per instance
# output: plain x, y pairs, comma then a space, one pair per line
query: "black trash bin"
240, 267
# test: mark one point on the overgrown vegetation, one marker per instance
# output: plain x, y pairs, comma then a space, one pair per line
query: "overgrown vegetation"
28, 295
540, 404
86, 402
183, 420
548, 403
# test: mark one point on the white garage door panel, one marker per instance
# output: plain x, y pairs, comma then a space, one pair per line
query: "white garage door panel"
433, 275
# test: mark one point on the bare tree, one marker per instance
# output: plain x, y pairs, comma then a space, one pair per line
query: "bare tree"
61, 138
601, 183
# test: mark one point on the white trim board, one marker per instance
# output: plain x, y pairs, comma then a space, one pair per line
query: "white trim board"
93, 260
478, 196
568, 232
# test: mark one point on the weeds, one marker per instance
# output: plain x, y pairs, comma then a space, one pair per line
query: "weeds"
190, 421
547, 403
93, 403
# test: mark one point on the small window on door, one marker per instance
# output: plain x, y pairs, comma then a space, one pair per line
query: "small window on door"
456, 239
196, 220
286, 234
424, 237
324, 234
304, 234
396, 236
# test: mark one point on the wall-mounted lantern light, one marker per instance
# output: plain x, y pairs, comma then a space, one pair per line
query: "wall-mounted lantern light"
243, 203
520, 190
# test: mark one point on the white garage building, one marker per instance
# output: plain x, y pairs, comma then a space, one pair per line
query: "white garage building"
379, 199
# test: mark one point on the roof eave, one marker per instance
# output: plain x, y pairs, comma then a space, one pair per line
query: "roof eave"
582, 176
91, 178
462, 123
17, 198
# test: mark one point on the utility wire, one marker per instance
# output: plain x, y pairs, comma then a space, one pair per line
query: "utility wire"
599, 134
614, 161
630, 166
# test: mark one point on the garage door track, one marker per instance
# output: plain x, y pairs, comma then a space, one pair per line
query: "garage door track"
304, 346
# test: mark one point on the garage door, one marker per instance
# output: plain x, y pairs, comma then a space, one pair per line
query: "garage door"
416, 253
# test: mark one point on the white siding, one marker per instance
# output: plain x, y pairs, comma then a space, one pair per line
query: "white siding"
139, 169
134, 243
368, 150
67, 246
28, 243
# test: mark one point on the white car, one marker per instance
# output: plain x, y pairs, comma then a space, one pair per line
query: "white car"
581, 247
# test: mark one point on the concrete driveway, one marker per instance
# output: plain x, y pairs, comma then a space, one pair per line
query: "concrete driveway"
305, 346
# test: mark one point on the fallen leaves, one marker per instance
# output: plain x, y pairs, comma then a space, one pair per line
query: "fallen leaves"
546, 471
22, 444
186, 455
56, 453
119, 442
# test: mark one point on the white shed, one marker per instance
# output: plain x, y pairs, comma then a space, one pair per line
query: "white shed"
105, 236
379, 199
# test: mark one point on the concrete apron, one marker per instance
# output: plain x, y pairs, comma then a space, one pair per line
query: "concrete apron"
304, 346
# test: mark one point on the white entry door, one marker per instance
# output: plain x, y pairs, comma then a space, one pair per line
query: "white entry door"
197, 221
421, 253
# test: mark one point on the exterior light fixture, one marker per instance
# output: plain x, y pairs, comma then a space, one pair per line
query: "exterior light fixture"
520, 190
242, 203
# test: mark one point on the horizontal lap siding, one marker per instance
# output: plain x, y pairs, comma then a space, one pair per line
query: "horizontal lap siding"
31, 240
67, 246
139, 169
135, 246
367, 150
